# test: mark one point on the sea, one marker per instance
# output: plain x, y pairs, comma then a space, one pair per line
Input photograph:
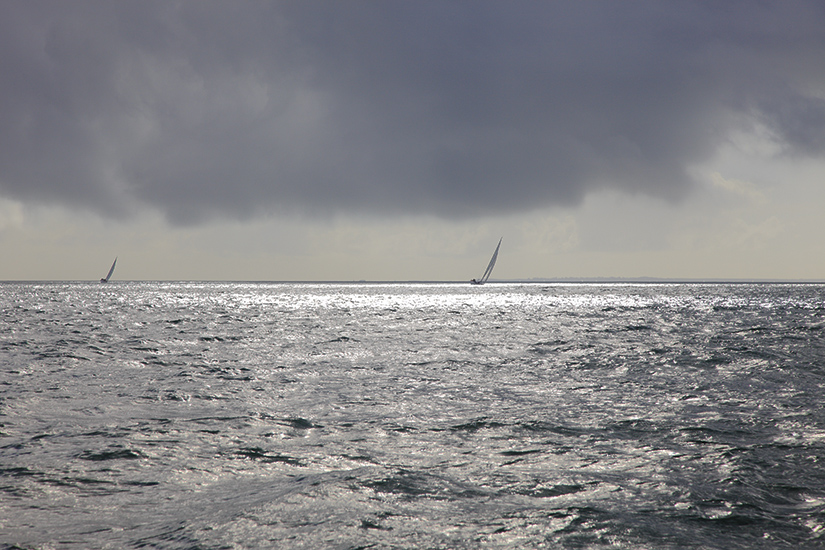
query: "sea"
190, 415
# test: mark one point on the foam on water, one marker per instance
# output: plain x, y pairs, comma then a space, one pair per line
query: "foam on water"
223, 415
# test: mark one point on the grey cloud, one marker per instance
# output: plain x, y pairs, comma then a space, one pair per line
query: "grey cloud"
453, 108
798, 122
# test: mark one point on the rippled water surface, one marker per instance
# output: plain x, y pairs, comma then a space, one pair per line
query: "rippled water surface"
217, 415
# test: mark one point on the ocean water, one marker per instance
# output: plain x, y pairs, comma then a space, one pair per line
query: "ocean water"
354, 416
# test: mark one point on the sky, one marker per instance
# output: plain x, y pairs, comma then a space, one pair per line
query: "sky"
395, 140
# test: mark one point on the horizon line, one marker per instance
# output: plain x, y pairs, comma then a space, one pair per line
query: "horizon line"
535, 280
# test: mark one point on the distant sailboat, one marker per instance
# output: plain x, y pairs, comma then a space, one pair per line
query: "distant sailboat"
109, 275
489, 269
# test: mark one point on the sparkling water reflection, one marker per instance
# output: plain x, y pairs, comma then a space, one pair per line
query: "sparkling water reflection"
239, 415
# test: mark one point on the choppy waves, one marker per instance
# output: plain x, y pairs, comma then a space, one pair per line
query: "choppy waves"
168, 415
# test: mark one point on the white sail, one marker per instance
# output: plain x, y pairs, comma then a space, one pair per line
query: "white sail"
490, 266
109, 275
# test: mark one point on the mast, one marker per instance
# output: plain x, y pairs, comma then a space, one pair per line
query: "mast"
492, 264
111, 270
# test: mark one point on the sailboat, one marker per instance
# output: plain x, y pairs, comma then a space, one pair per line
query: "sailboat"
109, 275
489, 269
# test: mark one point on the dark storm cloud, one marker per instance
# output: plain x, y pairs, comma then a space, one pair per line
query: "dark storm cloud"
452, 108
